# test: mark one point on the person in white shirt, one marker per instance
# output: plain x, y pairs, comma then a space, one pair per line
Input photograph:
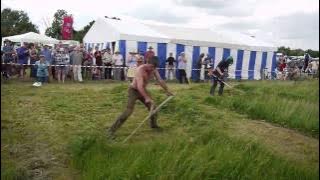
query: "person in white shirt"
107, 61
182, 66
131, 62
118, 62
314, 67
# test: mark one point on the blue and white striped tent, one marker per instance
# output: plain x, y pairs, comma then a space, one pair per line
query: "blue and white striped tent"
250, 56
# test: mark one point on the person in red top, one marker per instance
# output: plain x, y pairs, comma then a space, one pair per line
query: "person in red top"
148, 55
282, 65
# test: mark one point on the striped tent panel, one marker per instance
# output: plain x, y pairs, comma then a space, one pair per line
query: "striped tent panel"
247, 64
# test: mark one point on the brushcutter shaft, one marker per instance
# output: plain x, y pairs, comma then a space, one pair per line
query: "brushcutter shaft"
152, 112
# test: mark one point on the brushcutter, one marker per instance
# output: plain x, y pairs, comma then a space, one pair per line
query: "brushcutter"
219, 79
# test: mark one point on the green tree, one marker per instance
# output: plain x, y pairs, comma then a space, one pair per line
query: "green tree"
55, 29
78, 35
313, 53
284, 50
297, 52
15, 22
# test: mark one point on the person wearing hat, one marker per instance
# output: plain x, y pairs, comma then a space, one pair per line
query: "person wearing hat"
107, 61
218, 74
137, 91
42, 71
8, 57
117, 59
149, 54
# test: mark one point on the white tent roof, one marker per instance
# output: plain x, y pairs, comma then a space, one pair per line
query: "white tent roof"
207, 37
32, 37
108, 30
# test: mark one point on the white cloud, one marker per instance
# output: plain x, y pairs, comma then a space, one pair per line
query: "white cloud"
281, 21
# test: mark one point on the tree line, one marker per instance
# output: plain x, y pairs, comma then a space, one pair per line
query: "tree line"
297, 52
15, 22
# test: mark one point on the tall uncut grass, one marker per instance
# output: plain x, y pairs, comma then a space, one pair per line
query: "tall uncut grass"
292, 105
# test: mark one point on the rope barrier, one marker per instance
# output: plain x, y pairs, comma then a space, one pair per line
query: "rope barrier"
126, 67
115, 67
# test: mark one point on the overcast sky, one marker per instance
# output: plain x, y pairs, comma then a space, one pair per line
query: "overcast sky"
293, 23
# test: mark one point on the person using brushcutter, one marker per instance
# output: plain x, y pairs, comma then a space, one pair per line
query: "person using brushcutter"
137, 91
218, 74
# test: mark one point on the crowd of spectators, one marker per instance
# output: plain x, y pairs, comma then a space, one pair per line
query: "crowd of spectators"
75, 63
288, 68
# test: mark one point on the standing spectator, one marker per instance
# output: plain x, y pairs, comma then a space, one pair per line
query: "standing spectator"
309, 69
88, 61
8, 57
199, 66
84, 52
107, 60
33, 59
98, 56
170, 65
118, 62
207, 64
42, 71
148, 55
77, 61
306, 61
61, 58
182, 66
132, 64
282, 67
314, 67
23, 56
48, 58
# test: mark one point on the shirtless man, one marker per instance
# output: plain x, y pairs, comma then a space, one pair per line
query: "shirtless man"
137, 90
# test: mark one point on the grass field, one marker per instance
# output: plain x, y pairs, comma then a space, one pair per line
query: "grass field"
259, 130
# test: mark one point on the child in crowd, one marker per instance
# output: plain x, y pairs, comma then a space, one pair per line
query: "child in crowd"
42, 71
95, 73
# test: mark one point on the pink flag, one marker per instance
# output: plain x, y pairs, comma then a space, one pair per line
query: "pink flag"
67, 28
